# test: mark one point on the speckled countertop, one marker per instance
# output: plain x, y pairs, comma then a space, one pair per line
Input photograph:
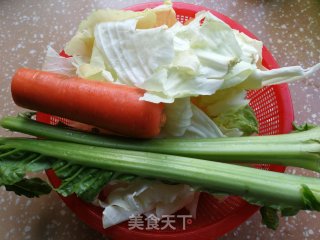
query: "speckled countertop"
290, 29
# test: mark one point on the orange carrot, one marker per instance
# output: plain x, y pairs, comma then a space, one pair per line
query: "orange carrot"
105, 105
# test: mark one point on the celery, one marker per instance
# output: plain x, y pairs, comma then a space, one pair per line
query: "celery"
264, 188
296, 149
157, 159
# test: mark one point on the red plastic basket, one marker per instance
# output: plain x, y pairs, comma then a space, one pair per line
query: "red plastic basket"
274, 111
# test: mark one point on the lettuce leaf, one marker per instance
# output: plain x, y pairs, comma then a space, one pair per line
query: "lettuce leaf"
15, 164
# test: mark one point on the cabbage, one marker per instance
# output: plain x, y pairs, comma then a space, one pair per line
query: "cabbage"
82, 43
134, 54
284, 75
251, 48
95, 68
202, 126
184, 119
165, 14
179, 116
144, 196
222, 101
237, 122
53, 62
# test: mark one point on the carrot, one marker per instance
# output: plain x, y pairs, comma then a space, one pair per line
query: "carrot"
105, 105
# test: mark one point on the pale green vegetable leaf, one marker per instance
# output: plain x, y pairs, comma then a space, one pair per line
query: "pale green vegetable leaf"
214, 44
260, 78
223, 100
202, 126
238, 74
242, 119
201, 61
145, 197
177, 83
134, 54
57, 64
231, 132
251, 48
285, 74
186, 120
82, 43
179, 116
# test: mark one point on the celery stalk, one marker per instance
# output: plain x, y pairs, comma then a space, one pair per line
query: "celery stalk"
296, 149
264, 188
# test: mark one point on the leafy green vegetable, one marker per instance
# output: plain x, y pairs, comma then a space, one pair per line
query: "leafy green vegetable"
243, 119
286, 212
14, 164
283, 75
33, 187
270, 217
310, 198
85, 182
202, 126
303, 127
222, 101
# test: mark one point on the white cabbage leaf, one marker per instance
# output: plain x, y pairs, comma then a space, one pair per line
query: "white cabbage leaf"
202, 60
179, 116
165, 14
53, 62
202, 126
134, 54
238, 122
155, 59
284, 74
251, 48
224, 100
143, 196
94, 68
82, 43
186, 120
